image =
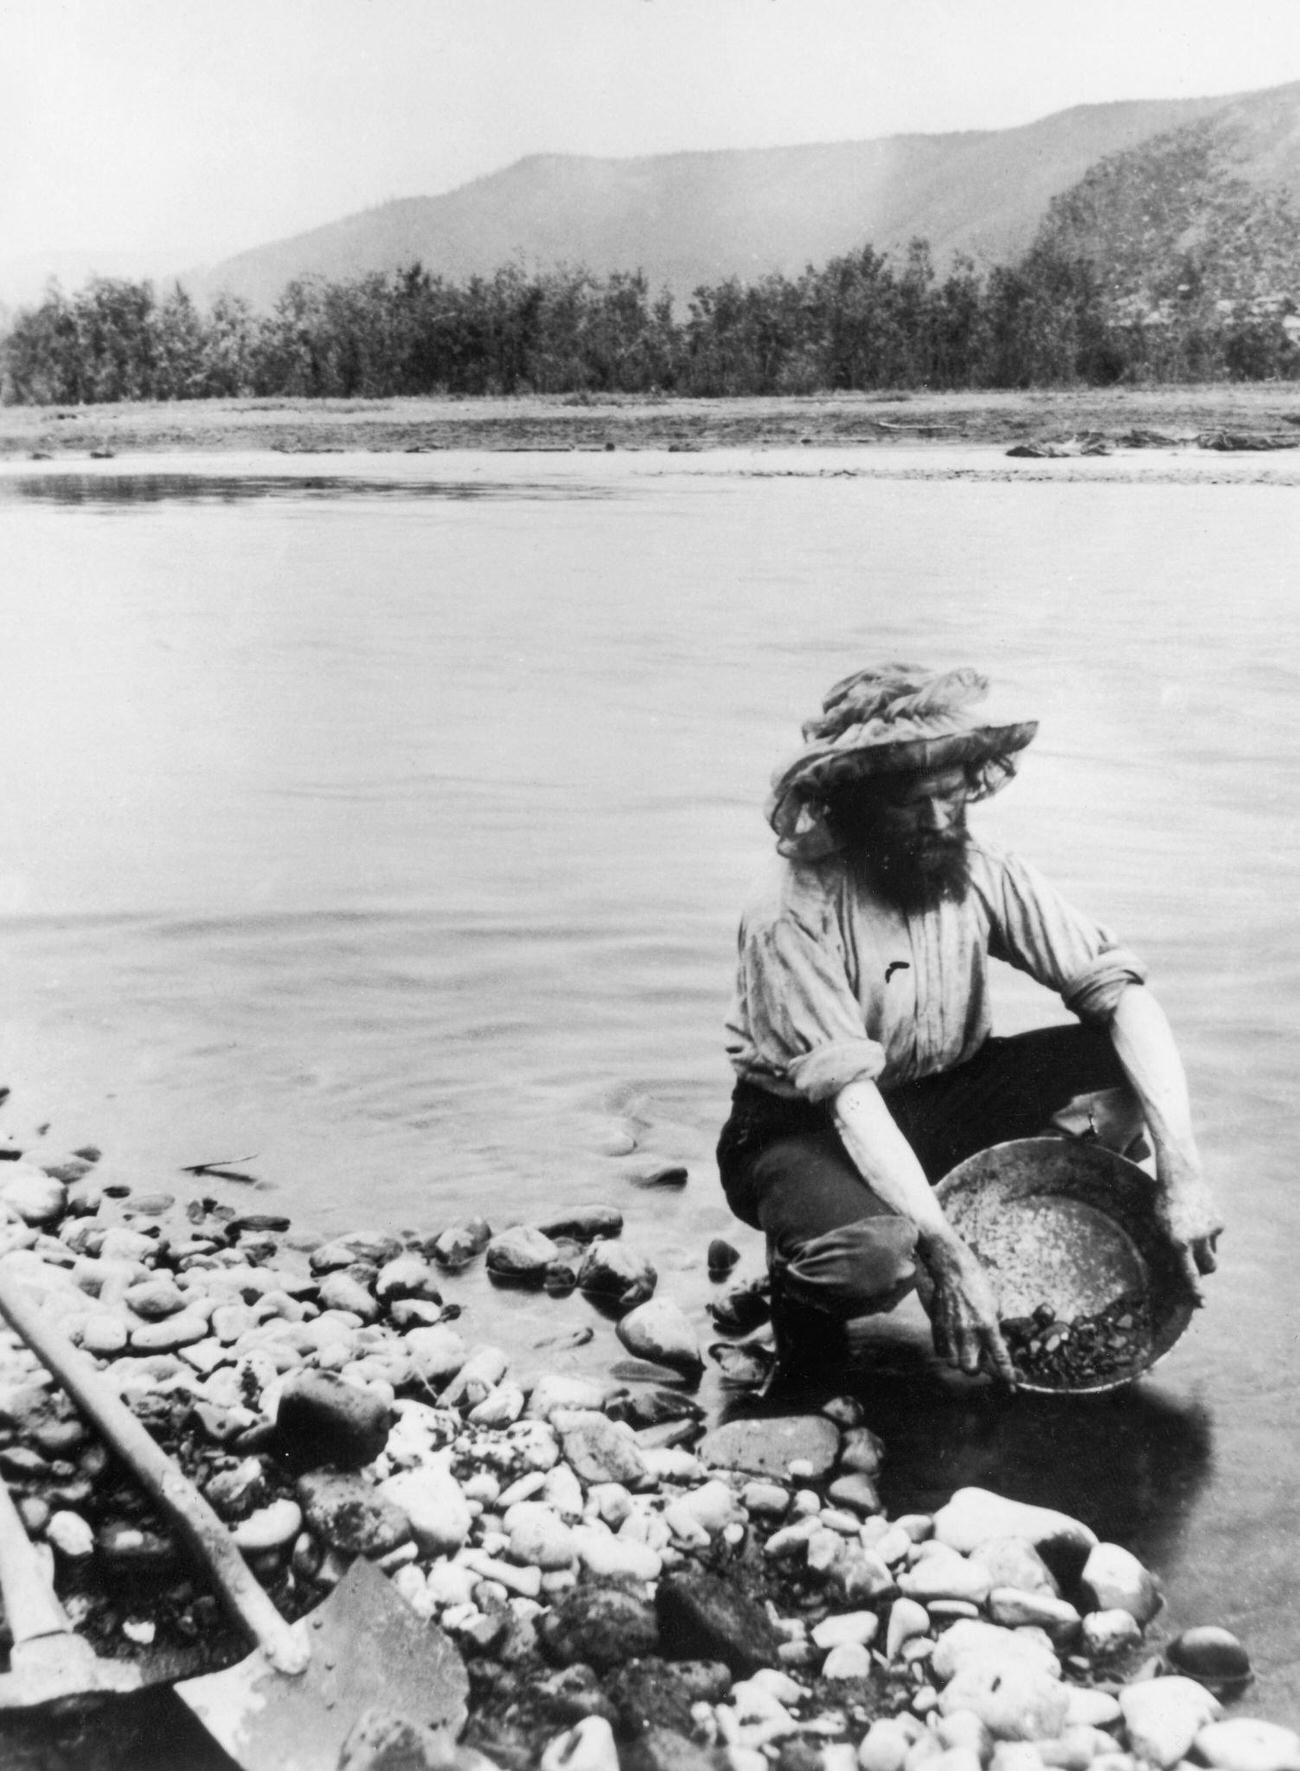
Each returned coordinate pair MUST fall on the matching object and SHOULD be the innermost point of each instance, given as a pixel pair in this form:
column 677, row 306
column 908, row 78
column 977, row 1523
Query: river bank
column 598, row 422
column 611, row 1576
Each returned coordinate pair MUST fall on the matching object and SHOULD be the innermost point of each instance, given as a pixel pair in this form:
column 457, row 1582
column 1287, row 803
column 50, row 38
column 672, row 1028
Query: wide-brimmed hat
column 890, row 719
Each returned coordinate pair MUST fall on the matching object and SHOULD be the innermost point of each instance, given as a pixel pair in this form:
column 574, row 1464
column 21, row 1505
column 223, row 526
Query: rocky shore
column 624, row 1582
column 73, row 434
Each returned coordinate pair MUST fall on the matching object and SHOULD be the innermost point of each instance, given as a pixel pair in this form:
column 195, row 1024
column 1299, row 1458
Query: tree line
column 861, row 322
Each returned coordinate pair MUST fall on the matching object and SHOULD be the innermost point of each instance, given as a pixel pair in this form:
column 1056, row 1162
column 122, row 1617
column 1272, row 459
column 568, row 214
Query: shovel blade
column 368, row 1651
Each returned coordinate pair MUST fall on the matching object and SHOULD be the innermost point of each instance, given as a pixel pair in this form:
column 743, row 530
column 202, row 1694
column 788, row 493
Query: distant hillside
column 692, row 218
column 1209, row 208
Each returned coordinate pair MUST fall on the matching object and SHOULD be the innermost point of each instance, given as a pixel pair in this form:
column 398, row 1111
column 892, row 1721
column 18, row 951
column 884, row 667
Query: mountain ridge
column 695, row 216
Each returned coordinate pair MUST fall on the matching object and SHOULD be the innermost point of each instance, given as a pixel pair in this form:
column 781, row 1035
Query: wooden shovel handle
column 31, row 1606
column 244, row 1598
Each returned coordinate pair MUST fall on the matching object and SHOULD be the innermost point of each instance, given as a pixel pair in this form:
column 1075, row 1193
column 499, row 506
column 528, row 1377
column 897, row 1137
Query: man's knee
column 1111, row 1117
column 859, row 1269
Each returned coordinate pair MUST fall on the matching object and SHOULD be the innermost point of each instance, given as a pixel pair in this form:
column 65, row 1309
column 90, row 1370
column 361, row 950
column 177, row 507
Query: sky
column 174, row 132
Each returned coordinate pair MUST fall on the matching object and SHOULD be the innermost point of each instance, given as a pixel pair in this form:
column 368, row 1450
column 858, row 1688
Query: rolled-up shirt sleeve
column 1039, row 932
column 803, row 1025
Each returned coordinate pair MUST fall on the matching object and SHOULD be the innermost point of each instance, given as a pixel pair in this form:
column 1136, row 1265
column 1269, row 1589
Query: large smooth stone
column 945, row 1575
column 322, row 1419
column 180, row 1330
column 970, row 1641
column 1211, row 1655
column 1014, row 1562
column 372, row 1247
column 974, row 1515
column 610, row 1269
column 1114, row 1580
column 154, row 1299
column 1014, row 1702
column 1012, row 1608
column 351, row 1516
column 1164, row 1716
column 1244, row 1744
column 458, row 1244
column 607, row 1556
column 584, row 1223
column 521, row 1254
column 539, row 1536
column 433, row 1502
column 704, row 1618
column 767, row 1447
column 659, row 1330
column 601, row 1450
column 564, row 1391
column 347, row 1289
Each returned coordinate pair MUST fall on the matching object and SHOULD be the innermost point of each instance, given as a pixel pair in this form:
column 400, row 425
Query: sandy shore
column 575, row 421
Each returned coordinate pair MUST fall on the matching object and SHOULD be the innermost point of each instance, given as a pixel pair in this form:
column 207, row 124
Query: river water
column 383, row 822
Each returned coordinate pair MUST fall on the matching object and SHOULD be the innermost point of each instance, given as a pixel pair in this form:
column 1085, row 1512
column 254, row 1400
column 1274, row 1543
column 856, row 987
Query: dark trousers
column 785, row 1171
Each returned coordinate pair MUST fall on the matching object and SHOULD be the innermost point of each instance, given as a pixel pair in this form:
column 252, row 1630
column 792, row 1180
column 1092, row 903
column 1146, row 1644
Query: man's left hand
column 1187, row 1208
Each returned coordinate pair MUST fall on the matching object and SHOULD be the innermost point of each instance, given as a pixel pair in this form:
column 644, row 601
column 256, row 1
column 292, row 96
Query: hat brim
column 916, row 755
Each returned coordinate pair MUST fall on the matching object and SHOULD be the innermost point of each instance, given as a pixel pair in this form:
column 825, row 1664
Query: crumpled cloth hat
column 884, row 720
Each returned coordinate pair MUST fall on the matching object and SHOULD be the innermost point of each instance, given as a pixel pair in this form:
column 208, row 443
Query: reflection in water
column 108, row 490
column 1129, row 1463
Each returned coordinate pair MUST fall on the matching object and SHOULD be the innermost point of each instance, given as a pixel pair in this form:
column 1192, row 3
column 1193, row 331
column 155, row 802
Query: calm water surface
column 391, row 835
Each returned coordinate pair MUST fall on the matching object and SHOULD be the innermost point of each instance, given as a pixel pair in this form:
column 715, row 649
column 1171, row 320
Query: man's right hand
column 964, row 1309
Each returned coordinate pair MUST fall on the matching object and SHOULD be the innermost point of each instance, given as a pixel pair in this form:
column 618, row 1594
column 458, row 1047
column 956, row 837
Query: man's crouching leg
column 1111, row 1117
column 821, row 1283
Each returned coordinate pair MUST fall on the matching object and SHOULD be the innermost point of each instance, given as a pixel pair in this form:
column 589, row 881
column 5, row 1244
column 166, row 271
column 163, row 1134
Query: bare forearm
column 885, row 1159
column 963, row 1307
column 1144, row 1044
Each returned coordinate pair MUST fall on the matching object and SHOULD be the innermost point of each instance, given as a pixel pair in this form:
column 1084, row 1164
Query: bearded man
column 861, row 1036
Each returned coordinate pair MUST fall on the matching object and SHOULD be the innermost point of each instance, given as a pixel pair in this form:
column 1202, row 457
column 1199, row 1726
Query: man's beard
column 918, row 873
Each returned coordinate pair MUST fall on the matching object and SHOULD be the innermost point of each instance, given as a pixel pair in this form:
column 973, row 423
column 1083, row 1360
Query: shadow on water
column 163, row 488
column 1130, row 1463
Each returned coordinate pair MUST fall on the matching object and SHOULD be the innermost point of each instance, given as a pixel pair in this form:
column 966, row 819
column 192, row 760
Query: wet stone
column 1212, row 1655
column 584, row 1223
column 657, row 1174
column 768, row 1446
column 521, row 1255
column 324, row 1419
column 601, row 1450
column 660, row 1331
column 458, row 1244
column 409, row 1276
column 612, row 1270
column 345, row 1289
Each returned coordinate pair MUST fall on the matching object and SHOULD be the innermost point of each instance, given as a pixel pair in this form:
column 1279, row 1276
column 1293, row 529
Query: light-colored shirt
column 833, row 985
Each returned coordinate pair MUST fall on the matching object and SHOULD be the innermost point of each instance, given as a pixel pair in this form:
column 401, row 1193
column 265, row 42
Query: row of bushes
column 861, row 322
